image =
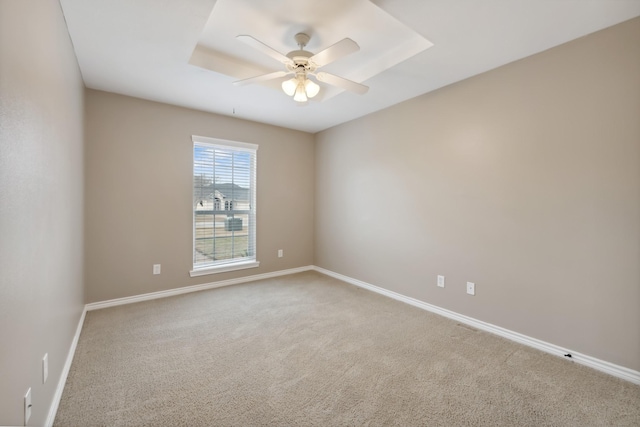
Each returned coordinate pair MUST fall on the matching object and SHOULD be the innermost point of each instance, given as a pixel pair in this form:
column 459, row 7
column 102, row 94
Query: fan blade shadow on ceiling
column 342, row 83
column 334, row 52
column 258, row 45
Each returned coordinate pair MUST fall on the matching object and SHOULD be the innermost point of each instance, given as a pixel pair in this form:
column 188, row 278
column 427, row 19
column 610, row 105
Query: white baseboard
column 583, row 359
column 194, row 288
column 53, row 409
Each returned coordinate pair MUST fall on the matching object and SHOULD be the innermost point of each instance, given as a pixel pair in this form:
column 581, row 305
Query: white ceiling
column 143, row 48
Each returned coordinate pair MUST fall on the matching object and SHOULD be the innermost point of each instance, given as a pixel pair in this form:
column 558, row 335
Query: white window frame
column 244, row 263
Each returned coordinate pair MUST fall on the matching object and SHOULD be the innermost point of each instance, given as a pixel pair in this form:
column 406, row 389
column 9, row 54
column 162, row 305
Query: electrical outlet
column 471, row 288
column 441, row 281
column 27, row 406
column 280, row 253
column 45, row 367
column 156, row 268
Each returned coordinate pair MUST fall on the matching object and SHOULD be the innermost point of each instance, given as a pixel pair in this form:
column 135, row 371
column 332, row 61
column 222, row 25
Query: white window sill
column 224, row 268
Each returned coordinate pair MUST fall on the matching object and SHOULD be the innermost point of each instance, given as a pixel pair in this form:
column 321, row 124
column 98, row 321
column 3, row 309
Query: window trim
column 242, row 263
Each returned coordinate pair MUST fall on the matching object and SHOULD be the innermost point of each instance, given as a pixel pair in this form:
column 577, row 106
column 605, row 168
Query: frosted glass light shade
column 300, row 95
column 289, row 86
column 311, row 88
column 301, row 88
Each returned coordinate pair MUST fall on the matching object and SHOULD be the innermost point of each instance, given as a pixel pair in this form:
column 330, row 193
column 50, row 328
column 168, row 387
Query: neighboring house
column 222, row 197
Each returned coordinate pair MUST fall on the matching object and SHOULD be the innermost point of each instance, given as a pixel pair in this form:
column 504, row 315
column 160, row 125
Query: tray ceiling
column 185, row 52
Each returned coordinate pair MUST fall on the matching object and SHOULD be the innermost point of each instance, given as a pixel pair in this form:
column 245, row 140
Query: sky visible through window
column 222, row 165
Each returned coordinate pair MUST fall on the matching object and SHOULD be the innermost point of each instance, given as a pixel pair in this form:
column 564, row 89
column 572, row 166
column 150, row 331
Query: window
column 224, row 205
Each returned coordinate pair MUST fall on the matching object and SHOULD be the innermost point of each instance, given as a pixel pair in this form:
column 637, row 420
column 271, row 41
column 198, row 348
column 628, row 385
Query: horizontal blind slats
column 224, row 204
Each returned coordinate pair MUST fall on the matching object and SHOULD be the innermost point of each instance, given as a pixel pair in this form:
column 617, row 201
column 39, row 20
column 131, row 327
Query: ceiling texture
column 185, row 52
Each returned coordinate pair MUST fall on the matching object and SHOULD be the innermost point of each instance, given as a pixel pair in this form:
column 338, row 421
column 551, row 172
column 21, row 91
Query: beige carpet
column 308, row 350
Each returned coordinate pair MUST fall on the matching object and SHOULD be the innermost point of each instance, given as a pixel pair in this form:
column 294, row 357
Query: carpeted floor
column 308, row 350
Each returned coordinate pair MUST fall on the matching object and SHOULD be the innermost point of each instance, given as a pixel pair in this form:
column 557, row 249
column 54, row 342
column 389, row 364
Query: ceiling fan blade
column 261, row 78
column 342, row 83
column 257, row 44
column 336, row 51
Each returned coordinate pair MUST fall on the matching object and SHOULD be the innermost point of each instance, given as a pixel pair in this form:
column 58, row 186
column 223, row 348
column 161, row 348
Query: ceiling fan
column 302, row 64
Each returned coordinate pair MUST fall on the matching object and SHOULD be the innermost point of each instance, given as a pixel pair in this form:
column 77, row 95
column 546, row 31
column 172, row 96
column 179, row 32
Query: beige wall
column 139, row 202
column 41, row 199
column 524, row 180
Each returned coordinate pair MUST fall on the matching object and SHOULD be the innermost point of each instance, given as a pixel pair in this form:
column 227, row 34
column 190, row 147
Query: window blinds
column 224, row 202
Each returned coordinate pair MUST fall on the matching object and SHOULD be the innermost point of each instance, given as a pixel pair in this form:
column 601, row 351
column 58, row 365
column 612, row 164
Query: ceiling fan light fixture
column 311, row 88
column 289, row 86
column 301, row 88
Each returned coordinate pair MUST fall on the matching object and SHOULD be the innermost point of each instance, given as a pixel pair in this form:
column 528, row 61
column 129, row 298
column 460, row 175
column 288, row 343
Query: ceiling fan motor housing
column 301, row 61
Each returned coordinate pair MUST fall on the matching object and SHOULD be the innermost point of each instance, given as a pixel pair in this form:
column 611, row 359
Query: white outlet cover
column 441, row 281
column 156, row 268
column 45, row 368
column 471, row 288
column 280, row 253
column 27, row 406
